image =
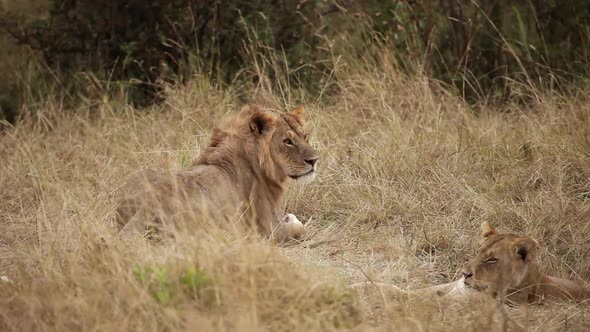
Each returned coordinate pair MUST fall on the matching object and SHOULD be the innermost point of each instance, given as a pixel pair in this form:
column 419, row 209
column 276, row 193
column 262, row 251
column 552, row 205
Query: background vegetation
column 478, row 49
column 430, row 117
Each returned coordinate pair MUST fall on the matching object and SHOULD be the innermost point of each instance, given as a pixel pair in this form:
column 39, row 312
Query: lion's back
column 161, row 195
column 145, row 185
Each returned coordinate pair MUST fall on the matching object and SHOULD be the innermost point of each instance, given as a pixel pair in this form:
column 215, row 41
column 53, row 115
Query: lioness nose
column 312, row 161
column 467, row 275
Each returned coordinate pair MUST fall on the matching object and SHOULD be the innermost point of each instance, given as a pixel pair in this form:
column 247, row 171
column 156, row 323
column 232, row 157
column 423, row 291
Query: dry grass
column 406, row 177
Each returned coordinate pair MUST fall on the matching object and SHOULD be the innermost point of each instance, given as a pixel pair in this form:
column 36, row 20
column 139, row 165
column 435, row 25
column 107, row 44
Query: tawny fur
column 240, row 176
column 454, row 290
column 505, row 266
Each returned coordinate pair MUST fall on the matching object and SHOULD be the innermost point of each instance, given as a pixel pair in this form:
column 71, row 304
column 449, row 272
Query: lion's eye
column 288, row 142
column 491, row 261
column 306, row 136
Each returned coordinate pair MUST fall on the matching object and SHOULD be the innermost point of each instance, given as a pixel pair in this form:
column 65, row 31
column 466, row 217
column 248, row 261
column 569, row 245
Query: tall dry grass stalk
column 407, row 173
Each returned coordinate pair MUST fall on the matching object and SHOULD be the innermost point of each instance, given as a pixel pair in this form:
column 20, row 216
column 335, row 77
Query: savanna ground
column 408, row 172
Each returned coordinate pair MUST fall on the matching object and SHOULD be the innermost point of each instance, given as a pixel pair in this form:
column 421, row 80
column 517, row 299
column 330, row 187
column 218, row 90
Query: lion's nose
column 467, row 275
column 312, row 161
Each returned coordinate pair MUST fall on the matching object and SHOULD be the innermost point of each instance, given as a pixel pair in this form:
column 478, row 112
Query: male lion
column 505, row 266
column 241, row 174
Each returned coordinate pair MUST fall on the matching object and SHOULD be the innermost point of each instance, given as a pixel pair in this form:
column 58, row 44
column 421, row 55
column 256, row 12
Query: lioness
column 241, row 174
column 505, row 266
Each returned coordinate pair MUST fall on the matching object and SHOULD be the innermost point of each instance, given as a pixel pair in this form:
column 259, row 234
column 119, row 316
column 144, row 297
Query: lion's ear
column 526, row 248
column 261, row 123
column 487, row 229
column 297, row 112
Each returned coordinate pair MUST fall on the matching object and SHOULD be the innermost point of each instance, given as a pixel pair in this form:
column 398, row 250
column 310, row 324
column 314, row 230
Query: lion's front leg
column 289, row 227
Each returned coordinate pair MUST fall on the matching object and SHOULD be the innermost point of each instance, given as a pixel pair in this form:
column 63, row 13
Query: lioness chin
column 241, row 175
column 505, row 267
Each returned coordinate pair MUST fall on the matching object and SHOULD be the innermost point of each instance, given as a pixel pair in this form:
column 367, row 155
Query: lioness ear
column 261, row 123
column 487, row 229
column 526, row 249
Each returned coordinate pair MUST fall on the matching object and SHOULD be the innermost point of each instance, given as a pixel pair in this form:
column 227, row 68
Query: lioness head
column 502, row 262
column 278, row 142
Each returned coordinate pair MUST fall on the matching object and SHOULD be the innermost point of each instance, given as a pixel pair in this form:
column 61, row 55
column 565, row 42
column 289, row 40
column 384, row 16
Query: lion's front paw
column 290, row 228
column 291, row 219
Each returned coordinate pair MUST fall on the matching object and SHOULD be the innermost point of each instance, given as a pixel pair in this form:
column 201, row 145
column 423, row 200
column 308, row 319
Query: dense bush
column 478, row 48
column 135, row 39
column 487, row 45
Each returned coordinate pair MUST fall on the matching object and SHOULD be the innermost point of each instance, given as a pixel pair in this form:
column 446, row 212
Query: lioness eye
column 288, row 142
column 491, row 261
column 306, row 136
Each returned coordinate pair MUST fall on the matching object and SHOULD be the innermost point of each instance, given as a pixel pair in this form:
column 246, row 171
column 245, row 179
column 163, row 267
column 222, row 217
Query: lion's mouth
column 305, row 177
column 474, row 286
column 310, row 171
column 295, row 177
